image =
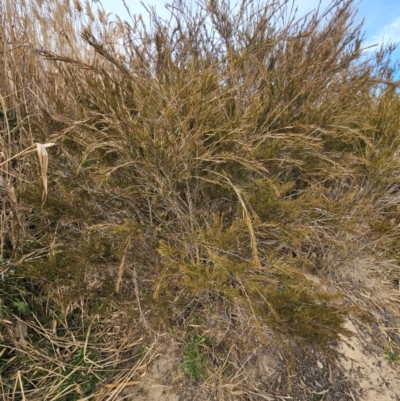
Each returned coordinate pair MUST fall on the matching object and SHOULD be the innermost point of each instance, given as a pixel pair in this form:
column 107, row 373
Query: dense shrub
column 201, row 165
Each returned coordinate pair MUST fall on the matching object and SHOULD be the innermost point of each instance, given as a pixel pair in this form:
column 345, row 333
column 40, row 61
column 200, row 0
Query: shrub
column 204, row 163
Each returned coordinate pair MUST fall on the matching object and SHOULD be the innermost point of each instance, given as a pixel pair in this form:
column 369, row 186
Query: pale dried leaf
column 44, row 162
column 121, row 269
column 21, row 331
column 12, row 194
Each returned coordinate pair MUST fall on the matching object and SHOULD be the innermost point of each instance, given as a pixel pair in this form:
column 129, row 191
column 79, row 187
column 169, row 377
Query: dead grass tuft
column 192, row 175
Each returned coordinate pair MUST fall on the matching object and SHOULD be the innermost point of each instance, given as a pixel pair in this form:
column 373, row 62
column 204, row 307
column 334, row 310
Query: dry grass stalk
column 204, row 167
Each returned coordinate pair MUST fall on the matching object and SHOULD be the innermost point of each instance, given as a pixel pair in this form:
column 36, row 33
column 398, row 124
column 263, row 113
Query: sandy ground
column 364, row 368
column 156, row 382
column 362, row 373
column 373, row 378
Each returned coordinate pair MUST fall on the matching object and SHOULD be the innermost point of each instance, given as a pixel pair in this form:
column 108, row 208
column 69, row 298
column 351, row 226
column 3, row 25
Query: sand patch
column 157, row 382
column 368, row 369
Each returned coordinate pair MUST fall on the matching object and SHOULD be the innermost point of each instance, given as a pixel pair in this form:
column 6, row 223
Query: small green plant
column 392, row 357
column 54, row 355
column 21, row 306
column 195, row 359
column 315, row 397
column 78, row 378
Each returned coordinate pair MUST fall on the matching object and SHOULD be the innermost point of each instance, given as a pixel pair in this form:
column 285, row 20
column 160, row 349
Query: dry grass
column 190, row 175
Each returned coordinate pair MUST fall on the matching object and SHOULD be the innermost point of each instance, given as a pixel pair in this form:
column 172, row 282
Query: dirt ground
column 156, row 381
column 372, row 376
column 363, row 369
column 363, row 373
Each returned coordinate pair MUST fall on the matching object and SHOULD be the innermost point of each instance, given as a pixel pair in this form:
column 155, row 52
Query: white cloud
column 388, row 33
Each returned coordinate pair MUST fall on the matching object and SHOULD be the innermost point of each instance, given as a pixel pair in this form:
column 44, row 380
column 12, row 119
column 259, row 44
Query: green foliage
column 203, row 162
column 21, row 306
column 195, row 359
column 48, row 354
column 77, row 377
column 392, row 357
column 312, row 317
column 315, row 397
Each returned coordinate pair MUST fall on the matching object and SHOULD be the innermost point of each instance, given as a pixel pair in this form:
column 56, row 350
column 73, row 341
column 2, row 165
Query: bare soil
column 360, row 369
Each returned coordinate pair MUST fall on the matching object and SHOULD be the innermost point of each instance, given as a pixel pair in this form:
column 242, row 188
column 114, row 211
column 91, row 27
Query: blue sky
column 382, row 17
